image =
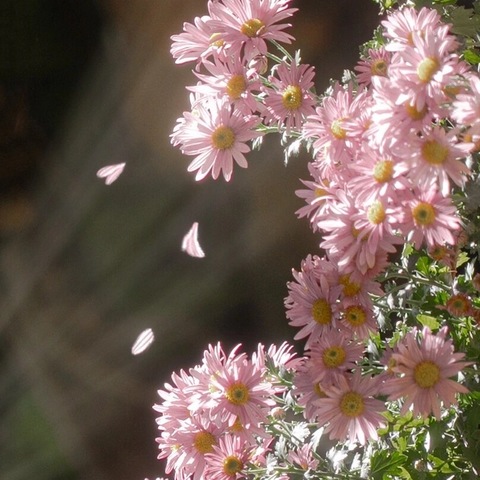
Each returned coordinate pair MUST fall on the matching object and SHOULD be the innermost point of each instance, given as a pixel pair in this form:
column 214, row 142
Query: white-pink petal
column 190, row 244
column 111, row 172
column 143, row 341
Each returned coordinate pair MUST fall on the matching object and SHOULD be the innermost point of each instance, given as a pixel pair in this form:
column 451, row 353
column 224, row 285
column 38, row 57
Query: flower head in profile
column 425, row 364
column 350, row 410
column 216, row 135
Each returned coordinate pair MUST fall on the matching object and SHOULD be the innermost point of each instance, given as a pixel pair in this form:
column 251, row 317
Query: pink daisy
column 196, row 42
column 216, row 135
column 289, row 99
column 357, row 319
column 350, row 409
column 249, row 24
column 376, row 64
column 430, row 217
column 303, row 457
column 311, row 305
column 400, row 25
column 425, row 364
column 228, row 459
column 230, row 78
column 331, row 356
column 435, row 157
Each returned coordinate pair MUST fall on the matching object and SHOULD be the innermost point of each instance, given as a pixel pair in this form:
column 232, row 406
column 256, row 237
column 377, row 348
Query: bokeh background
column 85, row 267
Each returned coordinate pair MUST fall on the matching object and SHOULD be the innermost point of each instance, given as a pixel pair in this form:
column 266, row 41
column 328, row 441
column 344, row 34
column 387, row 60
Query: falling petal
column 143, row 341
column 190, row 243
column 111, row 172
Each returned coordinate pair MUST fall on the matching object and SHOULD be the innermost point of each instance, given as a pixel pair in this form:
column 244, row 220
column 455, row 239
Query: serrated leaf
column 464, row 22
column 472, row 57
column 385, row 462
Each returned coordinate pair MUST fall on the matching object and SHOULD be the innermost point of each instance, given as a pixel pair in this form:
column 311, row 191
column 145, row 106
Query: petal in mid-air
column 111, row 172
column 190, row 243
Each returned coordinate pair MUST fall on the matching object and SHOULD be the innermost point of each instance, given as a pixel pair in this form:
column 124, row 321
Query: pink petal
column 143, row 341
column 190, row 243
column 111, row 172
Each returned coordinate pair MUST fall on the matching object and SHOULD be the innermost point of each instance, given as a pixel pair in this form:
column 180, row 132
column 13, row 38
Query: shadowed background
column 85, row 267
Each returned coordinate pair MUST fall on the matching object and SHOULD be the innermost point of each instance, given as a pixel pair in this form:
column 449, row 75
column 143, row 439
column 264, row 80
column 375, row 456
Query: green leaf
column 464, row 22
column 385, row 462
column 428, row 321
column 472, row 57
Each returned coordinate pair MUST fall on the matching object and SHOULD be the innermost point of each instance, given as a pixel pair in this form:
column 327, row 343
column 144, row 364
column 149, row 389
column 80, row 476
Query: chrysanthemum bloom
column 232, row 79
column 327, row 128
column 318, row 195
column 216, row 135
column 310, row 305
column 246, row 25
column 426, row 69
column 357, row 319
column 435, row 156
column 306, row 391
column 376, row 64
column 238, row 393
column 186, row 447
column 430, row 217
column 331, row 356
column 394, row 115
column 303, row 457
column 400, row 25
column 196, row 43
column 228, row 459
column 289, row 101
column 350, row 410
column 425, row 366
column 459, row 305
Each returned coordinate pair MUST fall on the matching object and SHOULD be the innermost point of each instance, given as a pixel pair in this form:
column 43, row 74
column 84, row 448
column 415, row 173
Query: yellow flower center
column 322, row 312
column 427, row 68
column 426, row 374
column 376, row 213
column 415, row 114
column 355, row 315
column 223, row 138
column 337, row 130
column 379, row 67
column 350, row 289
column 383, row 171
column 318, row 391
column 352, row 404
column 424, row 214
column 434, row 152
column 333, row 357
column 236, row 86
column 237, row 393
column 232, row 465
column 292, row 97
column 216, row 40
column 320, row 192
column 251, row 28
column 203, row 442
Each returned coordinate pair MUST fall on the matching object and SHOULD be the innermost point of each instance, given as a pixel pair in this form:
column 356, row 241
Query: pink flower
column 430, row 217
column 216, row 135
column 303, row 457
column 425, row 364
column 350, row 410
column 435, row 157
column 248, row 24
column 228, row 459
column 196, row 42
column 311, row 305
column 331, row 356
column 190, row 243
column 230, row 78
column 400, row 25
column 357, row 319
column 289, row 101
column 376, row 64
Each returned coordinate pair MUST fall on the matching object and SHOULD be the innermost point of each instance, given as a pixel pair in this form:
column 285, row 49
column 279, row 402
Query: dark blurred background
column 85, row 267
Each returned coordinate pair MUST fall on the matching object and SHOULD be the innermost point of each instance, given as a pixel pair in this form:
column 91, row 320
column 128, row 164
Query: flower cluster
column 390, row 147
